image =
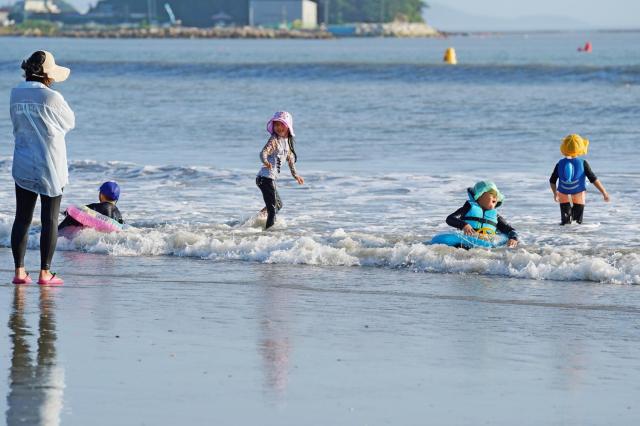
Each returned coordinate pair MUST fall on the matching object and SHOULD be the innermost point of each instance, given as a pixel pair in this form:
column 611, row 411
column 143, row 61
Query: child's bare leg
column 579, row 198
column 565, row 208
column 578, row 201
column 564, row 198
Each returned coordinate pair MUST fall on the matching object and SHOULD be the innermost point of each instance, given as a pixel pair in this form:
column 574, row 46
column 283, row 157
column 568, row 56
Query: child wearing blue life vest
column 479, row 215
column 279, row 148
column 571, row 174
column 109, row 194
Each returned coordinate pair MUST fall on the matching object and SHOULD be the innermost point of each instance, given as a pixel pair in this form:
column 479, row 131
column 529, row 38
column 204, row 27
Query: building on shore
column 273, row 13
column 40, row 7
column 208, row 13
column 192, row 13
column 51, row 10
column 4, row 16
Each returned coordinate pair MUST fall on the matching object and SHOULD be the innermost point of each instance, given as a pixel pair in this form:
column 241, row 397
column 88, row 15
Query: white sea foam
column 341, row 248
column 339, row 220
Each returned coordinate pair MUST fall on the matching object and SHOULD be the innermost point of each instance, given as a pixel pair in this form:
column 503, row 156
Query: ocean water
column 388, row 141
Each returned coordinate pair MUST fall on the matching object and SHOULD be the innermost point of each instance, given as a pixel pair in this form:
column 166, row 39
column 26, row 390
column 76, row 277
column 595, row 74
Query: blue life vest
column 484, row 221
column 571, row 177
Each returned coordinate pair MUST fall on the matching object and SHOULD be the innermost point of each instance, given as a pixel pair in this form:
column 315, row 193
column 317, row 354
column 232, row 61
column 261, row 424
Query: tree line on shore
column 343, row 11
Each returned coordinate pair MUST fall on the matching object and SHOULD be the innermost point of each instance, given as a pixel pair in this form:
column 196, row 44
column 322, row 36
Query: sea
column 389, row 139
column 340, row 314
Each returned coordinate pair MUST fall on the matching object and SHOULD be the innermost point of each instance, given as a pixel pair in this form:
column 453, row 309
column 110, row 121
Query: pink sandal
column 25, row 280
column 51, row 281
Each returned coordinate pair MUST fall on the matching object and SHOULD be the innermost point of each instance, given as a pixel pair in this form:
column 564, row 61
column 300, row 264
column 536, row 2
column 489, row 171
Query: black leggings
column 271, row 198
column 25, row 204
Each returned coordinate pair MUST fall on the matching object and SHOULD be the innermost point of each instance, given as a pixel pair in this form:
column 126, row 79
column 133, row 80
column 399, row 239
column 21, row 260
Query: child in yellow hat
column 571, row 174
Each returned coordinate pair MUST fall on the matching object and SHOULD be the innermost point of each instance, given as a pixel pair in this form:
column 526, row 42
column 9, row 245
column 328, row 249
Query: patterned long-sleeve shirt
column 275, row 152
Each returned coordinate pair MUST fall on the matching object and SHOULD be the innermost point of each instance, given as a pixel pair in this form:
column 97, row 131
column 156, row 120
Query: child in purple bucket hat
column 279, row 148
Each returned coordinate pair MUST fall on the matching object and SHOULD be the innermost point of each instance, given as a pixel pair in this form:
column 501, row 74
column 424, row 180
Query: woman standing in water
column 41, row 118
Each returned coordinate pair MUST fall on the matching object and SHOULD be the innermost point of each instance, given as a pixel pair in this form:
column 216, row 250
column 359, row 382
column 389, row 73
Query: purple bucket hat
column 285, row 118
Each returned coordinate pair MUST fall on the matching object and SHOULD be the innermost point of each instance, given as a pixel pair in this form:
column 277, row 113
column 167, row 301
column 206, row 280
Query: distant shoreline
column 363, row 31
column 522, row 32
column 393, row 30
column 168, row 33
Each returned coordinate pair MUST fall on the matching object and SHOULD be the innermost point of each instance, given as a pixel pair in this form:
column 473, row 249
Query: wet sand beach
column 139, row 340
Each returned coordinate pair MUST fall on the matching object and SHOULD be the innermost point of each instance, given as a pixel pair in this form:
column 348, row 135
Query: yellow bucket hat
column 574, row 146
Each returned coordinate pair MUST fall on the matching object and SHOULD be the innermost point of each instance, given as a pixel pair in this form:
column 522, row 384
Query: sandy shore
column 168, row 341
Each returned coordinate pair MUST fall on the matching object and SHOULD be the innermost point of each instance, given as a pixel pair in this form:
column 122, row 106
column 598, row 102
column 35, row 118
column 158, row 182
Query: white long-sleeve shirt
column 41, row 118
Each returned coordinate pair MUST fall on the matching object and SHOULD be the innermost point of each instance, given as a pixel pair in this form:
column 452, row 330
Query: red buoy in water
column 587, row 48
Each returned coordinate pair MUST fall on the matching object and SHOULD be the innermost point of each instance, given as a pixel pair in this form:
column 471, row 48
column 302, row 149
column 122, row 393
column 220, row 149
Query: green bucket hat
column 485, row 186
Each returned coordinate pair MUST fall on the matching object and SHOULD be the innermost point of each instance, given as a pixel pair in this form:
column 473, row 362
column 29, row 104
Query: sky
column 599, row 13
column 608, row 13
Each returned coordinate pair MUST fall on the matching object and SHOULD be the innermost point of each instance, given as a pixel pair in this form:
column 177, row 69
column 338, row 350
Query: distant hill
column 446, row 18
column 65, row 7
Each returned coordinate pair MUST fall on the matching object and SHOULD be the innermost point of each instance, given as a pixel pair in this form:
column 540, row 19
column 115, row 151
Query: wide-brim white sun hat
column 55, row 72
column 285, row 118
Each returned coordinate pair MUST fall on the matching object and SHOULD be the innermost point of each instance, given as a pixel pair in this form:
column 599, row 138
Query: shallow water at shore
column 342, row 220
column 242, row 343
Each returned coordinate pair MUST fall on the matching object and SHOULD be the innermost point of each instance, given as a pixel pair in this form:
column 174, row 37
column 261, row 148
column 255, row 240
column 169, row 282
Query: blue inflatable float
column 458, row 239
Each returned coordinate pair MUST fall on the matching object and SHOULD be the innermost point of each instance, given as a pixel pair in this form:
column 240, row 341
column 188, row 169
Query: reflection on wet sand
column 35, row 391
column 275, row 343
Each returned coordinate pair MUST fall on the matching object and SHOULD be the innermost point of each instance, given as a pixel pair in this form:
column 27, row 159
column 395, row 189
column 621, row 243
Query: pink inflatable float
column 93, row 219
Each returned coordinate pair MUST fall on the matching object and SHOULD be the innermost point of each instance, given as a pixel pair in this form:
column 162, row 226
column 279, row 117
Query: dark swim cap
column 110, row 190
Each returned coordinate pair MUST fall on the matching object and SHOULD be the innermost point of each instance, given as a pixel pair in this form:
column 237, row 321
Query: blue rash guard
column 572, row 174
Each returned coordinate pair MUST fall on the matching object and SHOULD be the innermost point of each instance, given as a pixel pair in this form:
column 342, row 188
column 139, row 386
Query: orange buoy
column 450, row 56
